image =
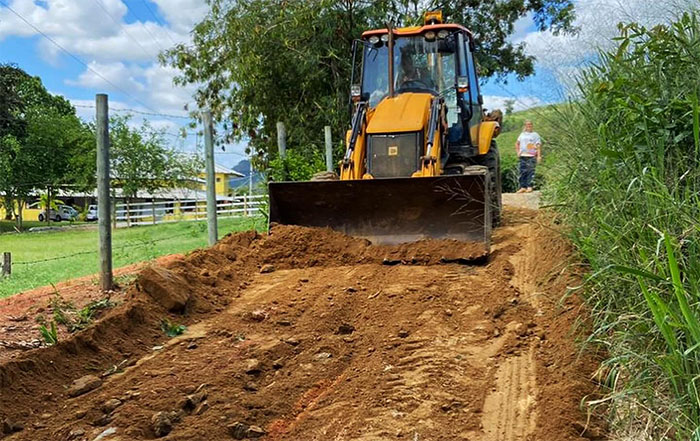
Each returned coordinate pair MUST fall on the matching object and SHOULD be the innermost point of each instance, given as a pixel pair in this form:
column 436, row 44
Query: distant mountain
column 243, row 167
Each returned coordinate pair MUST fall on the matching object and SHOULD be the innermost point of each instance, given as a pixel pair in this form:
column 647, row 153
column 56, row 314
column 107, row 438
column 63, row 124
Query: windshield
column 419, row 66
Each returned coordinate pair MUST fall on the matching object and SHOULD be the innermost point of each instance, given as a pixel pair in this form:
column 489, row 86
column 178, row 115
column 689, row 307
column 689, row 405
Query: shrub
column 626, row 177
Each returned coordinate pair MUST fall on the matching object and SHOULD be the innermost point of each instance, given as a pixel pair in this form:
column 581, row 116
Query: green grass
column 130, row 245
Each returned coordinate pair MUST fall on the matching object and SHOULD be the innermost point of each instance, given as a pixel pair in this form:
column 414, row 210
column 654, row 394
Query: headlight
column 443, row 33
column 430, row 35
column 374, row 39
column 385, row 37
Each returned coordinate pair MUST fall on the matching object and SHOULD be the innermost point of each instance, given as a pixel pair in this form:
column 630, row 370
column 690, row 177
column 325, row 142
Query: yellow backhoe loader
column 421, row 161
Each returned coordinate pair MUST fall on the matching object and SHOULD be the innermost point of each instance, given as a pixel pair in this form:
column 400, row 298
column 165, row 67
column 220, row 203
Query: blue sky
column 114, row 44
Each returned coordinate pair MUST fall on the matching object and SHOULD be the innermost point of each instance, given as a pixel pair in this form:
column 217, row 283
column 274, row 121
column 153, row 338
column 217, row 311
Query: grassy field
column 39, row 259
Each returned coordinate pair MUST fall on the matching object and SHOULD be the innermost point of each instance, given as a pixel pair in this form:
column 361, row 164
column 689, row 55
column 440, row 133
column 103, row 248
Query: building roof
column 218, row 168
column 182, row 193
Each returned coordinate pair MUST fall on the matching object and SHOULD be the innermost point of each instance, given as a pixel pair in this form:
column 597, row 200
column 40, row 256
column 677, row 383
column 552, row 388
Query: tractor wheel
column 492, row 160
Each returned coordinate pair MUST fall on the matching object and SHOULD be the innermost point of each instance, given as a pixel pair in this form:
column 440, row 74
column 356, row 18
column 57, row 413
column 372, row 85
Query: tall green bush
column 625, row 173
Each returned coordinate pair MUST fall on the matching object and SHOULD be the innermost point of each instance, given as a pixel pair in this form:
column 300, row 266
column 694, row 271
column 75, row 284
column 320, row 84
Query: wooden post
column 282, row 146
column 329, row 149
column 48, row 205
column 114, row 209
column 153, row 209
column 6, row 264
column 211, row 181
column 103, row 197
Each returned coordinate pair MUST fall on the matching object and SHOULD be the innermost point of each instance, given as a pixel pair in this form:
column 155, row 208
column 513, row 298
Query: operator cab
column 435, row 59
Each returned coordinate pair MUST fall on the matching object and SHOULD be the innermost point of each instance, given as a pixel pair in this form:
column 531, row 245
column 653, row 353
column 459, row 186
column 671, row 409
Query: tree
column 509, row 104
column 140, row 159
column 39, row 134
column 257, row 62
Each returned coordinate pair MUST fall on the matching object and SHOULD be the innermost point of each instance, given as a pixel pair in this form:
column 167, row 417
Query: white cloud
column 97, row 29
column 492, row 102
column 564, row 55
column 182, row 14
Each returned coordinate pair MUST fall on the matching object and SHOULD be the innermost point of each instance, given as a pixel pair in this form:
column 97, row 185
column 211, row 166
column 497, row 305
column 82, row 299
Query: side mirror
column 356, row 92
column 462, row 84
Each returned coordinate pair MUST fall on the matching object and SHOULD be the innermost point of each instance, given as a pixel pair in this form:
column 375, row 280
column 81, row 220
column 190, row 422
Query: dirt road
column 310, row 335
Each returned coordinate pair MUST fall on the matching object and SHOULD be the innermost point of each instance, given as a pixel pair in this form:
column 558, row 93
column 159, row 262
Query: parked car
column 64, row 212
column 91, row 213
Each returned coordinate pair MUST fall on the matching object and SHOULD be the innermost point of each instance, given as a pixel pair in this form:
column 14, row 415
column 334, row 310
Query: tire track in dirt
column 344, row 349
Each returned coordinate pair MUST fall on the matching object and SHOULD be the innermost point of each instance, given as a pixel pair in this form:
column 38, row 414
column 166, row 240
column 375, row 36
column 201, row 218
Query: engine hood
column 406, row 112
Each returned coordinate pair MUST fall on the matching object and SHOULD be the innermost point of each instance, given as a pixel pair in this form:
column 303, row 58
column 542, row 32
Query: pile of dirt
column 310, row 334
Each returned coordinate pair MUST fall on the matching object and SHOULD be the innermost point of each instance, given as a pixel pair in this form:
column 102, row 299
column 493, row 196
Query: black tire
column 58, row 218
column 41, row 217
column 492, row 160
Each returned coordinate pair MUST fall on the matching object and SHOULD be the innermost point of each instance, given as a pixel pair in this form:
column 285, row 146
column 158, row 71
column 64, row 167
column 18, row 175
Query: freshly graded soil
column 307, row 334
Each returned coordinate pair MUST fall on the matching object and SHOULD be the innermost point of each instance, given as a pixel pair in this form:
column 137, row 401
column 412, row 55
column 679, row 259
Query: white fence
column 158, row 212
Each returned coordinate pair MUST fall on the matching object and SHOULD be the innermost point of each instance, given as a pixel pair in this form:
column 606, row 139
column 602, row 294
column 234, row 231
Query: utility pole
column 211, row 179
column 329, row 149
column 103, row 197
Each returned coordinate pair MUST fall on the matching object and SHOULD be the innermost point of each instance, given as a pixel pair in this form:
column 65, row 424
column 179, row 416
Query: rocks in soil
column 256, row 316
column 267, row 268
column 255, row 432
column 167, row 288
column 253, row 366
column 9, row 426
column 345, row 329
column 193, row 400
column 84, row 385
column 75, row 434
column 203, row 407
column 162, row 423
column 110, row 405
column 292, row 341
column 108, row 432
column 403, row 333
column 323, row 355
column 240, row 430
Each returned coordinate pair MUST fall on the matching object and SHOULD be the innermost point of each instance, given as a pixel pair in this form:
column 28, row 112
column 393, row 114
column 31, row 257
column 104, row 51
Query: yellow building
column 223, row 176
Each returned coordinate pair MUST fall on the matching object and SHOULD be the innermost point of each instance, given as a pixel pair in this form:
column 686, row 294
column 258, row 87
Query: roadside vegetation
column 40, row 259
column 625, row 176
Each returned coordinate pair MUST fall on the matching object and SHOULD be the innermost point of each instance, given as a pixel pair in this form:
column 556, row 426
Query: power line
column 118, row 23
column 140, row 112
column 153, row 14
column 143, row 25
column 75, row 57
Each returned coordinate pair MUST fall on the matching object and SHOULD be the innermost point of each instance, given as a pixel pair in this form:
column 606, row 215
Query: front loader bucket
column 391, row 210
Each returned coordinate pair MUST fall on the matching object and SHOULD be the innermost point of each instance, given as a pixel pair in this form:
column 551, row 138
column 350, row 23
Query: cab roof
column 417, row 30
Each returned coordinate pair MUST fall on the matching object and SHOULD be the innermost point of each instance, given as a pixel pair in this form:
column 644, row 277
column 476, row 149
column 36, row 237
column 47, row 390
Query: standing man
column 529, row 149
